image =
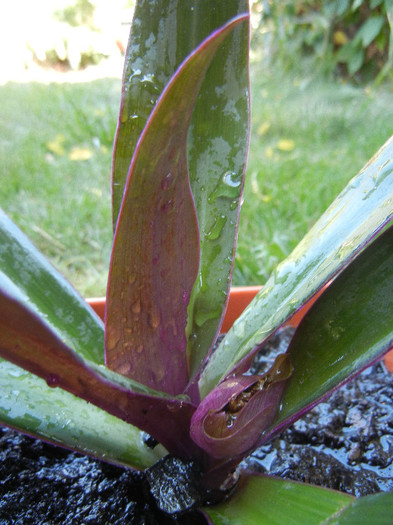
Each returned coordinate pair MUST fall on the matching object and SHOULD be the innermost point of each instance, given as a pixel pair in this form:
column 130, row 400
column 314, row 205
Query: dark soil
column 345, row 443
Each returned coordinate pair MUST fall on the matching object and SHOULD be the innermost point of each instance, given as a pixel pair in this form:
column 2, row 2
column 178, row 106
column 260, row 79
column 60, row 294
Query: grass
column 308, row 140
column 55, row 155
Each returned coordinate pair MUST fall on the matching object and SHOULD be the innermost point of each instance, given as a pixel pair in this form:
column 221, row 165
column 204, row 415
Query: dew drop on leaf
column 167, row 181
column 136, row 307
column 52, row 380
column 228, row 187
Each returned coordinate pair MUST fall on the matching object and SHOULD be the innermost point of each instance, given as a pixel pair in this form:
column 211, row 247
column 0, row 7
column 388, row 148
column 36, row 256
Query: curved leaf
column 376, row 508
column 163, row 33
column 27, row 341
column 230, row 420
column 29, row 405
column 27, row 275
column 349, row 327
column 349, row 224
column 155, row 254
column 272, row 501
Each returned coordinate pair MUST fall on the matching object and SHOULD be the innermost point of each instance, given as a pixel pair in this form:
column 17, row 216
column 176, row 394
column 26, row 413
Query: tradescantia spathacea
column 177, row 181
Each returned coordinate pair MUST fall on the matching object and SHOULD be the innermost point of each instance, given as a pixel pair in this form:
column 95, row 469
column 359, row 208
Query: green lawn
column 308, row 140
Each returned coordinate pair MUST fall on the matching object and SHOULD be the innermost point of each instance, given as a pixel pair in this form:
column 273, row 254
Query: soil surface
column 345, row 443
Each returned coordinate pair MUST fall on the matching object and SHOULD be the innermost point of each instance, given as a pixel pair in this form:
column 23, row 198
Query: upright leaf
column 155, row 254
column 350, row 223
column 164, row 32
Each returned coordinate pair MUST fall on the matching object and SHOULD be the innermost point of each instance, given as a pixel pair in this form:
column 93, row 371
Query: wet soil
column 345, row 443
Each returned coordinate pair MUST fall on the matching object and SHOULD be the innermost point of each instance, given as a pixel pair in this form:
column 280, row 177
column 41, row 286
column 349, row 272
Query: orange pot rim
column 239, row 299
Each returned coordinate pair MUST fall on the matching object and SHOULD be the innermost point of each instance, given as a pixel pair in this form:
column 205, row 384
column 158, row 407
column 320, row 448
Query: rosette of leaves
column 177, row 182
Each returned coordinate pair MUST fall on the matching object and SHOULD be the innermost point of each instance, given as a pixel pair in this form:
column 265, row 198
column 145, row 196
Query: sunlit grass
column 308, row 140
column 55, row 154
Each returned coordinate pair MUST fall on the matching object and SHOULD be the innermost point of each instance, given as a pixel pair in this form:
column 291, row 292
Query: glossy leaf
column 349, row 327
column 218, row 145
column 29, row 405
column 376, row 508
column 155, row 254
column 350, row 223
column 264, row 500
column 164, row 32
column 231, row 419
column 26, row 275
column 27, row 341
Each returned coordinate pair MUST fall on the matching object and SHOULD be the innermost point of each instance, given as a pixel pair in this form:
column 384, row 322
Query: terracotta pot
column 239, row 298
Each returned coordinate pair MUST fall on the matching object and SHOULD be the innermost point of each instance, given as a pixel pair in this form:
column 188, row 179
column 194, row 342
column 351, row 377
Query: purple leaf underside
column 26, row 341
column 155, row 256
column 231, row 419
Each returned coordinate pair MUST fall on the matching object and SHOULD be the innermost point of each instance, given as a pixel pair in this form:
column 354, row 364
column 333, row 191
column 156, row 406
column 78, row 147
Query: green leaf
column 348, row 327
column 359, row 212
column 155, row 255
column 27, row 341
column 27, row 276
column 271, row 501
column 355, row 62
column 29, row 405
column 370, row 29
column 217, row 146
column 217, row 141
column 376, row 508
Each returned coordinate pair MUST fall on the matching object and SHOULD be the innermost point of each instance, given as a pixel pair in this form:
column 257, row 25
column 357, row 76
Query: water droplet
column 202, row 315
column 154, row 319
column 124, row 115
column 111, row 340
column 234, row 204
column 52, row 380
column 148, row 77
column 228, row 187
column 166, row 206
column 172, row 407
column 166, row 182
column 135, row 73
column 217, row 228
column 136, row 307
column 185, row 297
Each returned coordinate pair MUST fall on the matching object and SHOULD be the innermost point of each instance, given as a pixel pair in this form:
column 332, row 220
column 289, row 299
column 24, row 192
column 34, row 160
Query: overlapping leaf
column 230, row 420
column 27, row 341
column 155, row 256
column 349, row 327
column 164, row 32
column 350, row 223
column 26, row 275
column 29, row 405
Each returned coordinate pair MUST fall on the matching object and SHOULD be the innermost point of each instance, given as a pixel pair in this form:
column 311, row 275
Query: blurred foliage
column 350, row 38
column 80, row 12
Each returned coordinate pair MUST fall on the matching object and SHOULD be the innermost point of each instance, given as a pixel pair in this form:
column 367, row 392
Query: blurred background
column 321, row 82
